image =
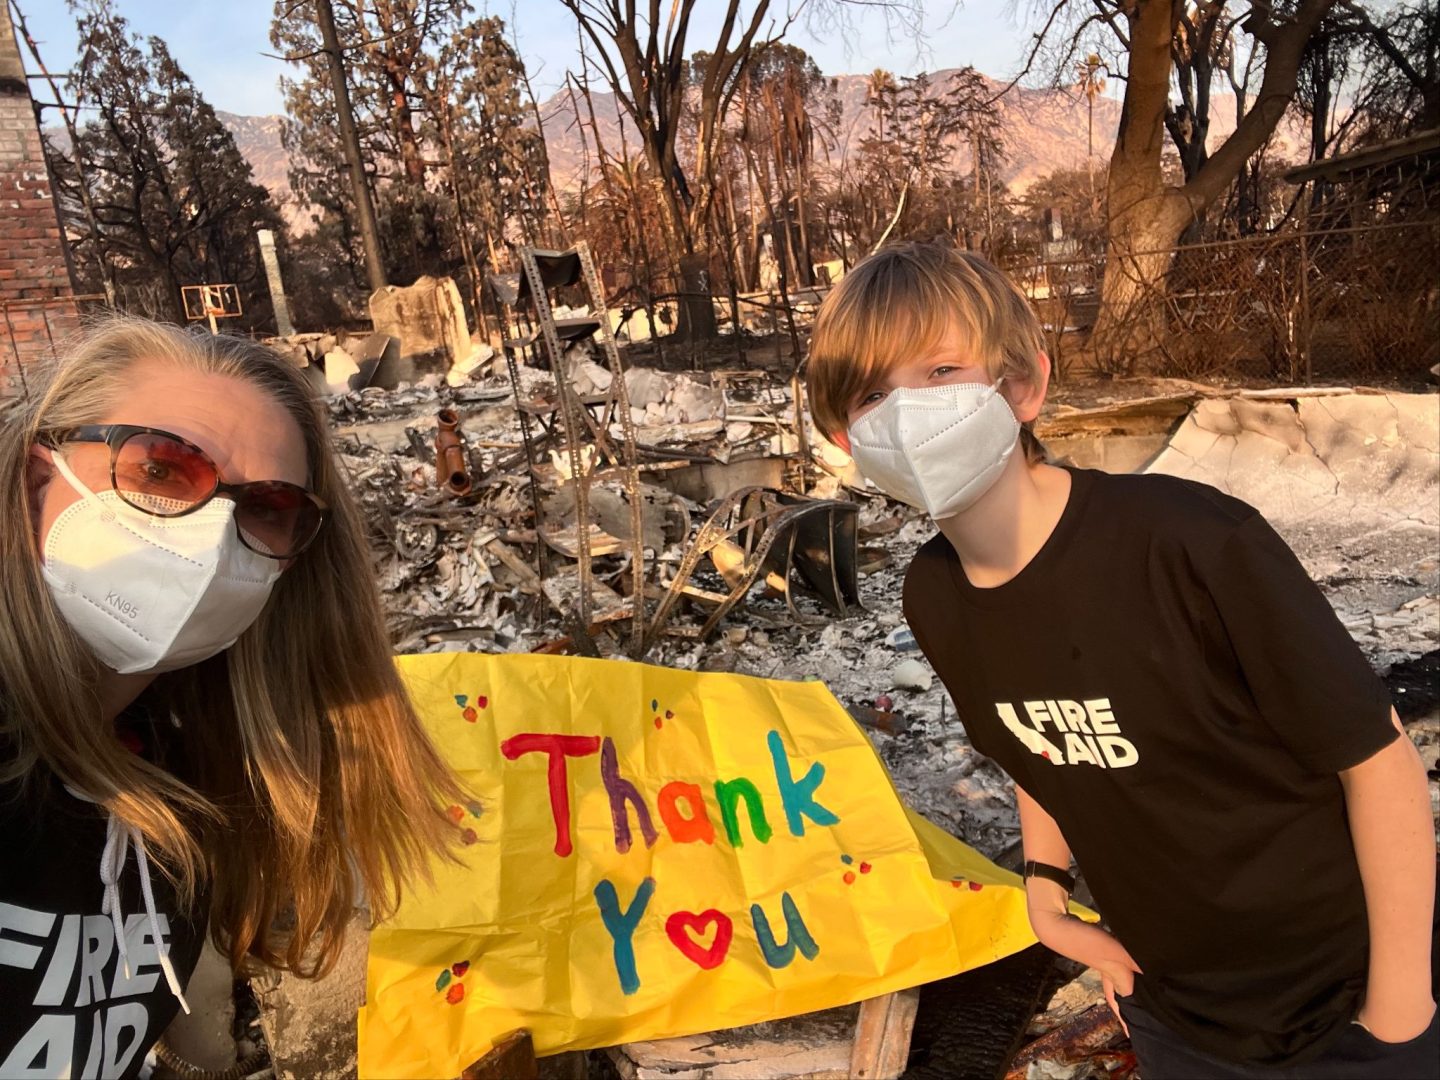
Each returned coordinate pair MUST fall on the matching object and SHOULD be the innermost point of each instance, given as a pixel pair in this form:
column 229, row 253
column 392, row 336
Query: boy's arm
column 1048, row 907
column 1388, row 802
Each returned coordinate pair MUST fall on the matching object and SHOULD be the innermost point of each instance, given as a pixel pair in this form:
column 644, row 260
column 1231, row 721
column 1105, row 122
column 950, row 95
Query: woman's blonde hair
column 899, row 304
column 308, row 775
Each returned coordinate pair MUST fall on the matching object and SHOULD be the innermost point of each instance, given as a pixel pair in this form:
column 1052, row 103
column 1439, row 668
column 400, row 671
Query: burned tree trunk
column 1147, row 216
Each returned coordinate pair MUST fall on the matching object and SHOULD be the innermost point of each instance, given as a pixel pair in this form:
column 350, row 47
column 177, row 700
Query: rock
column 912, row 675
column 310, row 1024
column 341, row 371
column 645, row 387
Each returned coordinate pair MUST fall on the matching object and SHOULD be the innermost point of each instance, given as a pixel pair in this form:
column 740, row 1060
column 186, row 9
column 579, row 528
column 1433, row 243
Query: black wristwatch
column 1049, row 873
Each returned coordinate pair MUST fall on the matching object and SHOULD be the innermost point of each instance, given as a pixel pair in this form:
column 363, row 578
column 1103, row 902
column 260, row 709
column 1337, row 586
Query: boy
column 1174, row 698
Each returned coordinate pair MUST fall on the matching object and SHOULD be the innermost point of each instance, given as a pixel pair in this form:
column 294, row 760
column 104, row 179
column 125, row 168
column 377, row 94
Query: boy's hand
column 1116, row 978
column 1397, row 1024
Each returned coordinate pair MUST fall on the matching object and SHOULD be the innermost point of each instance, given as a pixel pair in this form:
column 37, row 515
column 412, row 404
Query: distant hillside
column 258, row 139
column 1043, row 129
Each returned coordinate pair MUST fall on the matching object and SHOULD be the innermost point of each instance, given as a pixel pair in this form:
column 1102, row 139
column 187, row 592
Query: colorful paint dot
column 659, row 723
column 455, row 813
column 462, row 700
column 654, row 704
column 471, row 715
column 849, row 877
column 468, row 837
column 1045, row 754
column 955, row 883
column 846, row 859
column 864, row 868
column 975, row 886
column 444, row 980
column 455, row 994
column 482, row 702
column 669, row 715
column 459, row 968
column 475, row 809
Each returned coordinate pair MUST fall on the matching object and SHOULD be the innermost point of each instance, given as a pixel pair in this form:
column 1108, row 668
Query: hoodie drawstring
column 119, row 838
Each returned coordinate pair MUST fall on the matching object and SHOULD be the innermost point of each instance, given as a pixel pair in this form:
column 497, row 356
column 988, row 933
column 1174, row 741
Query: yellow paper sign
column 652, row 853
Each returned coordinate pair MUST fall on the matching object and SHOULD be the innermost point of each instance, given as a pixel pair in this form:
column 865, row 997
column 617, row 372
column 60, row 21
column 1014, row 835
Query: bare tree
column 643, row 57
column 1148, row 215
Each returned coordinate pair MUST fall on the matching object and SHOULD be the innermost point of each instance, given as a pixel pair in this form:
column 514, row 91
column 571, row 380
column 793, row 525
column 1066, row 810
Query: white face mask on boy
column 938, row 448
column 151, row 593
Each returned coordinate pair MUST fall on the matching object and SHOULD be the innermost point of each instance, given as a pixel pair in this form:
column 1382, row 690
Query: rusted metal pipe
column 452, row 469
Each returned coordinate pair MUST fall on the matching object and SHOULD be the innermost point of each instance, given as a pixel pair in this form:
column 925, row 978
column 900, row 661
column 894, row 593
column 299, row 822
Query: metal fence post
column 1305, row 308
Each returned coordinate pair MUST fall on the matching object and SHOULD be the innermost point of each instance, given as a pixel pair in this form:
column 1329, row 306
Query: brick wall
column 36, row 305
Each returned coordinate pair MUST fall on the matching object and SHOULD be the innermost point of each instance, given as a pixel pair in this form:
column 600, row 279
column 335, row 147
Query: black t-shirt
column 1167, row 682
column 66, row 1005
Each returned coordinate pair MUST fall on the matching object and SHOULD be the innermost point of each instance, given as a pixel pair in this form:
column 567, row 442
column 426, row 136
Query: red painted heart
column 684, row 923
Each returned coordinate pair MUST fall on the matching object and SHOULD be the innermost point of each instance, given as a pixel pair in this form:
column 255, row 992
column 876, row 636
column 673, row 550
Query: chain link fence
column 1335, row 305
column 1339, row 305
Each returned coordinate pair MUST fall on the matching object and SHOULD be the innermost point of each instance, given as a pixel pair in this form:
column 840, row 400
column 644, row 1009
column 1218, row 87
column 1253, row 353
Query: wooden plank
column 882, row 1035
column 870, row 1041
column 512, row 1058
column 815, row 1046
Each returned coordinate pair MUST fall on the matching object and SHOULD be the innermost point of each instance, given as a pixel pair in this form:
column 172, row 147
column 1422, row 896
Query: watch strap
column 1050, row 873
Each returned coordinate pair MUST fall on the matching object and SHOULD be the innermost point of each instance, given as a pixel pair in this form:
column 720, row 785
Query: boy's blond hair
column 900, row 303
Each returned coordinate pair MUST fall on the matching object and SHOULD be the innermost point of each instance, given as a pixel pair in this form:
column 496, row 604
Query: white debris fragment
column 912, row 675
column 465, row 367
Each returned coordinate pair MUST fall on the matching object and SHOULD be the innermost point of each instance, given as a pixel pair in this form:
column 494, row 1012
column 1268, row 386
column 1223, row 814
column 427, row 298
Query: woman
column 200, row 721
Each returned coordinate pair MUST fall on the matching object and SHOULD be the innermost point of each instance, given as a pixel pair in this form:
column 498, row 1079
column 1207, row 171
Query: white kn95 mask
column 151, row 593
column 938, row 448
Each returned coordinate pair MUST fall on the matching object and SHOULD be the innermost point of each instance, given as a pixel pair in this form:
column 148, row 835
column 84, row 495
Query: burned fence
column 1338, row 305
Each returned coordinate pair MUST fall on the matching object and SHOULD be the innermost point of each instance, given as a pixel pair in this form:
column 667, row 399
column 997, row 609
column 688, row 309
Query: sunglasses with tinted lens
column 162, row 474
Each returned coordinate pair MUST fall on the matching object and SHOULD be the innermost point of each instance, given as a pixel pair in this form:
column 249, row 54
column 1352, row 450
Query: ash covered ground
column 453, row 572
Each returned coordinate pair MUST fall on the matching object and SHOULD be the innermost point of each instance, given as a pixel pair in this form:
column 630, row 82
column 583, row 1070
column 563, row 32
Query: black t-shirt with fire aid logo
column 1168, row 683
column 67, row 1007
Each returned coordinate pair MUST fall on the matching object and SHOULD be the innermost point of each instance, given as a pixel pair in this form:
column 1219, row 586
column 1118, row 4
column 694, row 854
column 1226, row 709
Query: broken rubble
column 427, row 318
column 912, row 675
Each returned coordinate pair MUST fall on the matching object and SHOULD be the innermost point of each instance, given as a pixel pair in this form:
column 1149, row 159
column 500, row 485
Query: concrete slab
column 1364, row 457
column 1352, row 482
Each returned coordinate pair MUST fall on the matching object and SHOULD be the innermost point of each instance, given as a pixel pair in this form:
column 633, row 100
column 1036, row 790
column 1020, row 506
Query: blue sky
column 221, row 43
